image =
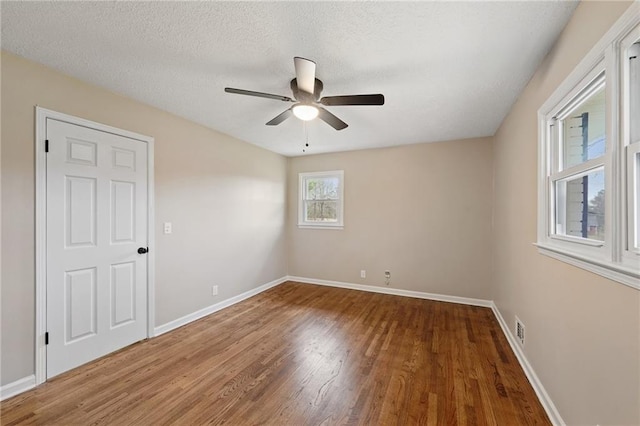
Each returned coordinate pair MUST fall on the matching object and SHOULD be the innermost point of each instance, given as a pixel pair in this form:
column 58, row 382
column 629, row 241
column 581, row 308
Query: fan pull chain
column 306, row 136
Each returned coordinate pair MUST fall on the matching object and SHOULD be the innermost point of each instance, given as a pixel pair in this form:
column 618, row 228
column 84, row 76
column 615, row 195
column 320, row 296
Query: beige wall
column 421, row 211
column 583, row 331
column 225, row 198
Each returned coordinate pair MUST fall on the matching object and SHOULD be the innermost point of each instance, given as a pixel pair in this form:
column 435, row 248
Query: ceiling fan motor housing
column 304, row 97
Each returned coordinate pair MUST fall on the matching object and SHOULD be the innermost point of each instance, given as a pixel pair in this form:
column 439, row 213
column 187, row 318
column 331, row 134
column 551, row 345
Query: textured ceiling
column 448, row 70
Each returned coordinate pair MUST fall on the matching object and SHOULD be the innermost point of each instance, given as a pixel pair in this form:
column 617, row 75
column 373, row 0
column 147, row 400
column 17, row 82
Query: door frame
column 42, row 114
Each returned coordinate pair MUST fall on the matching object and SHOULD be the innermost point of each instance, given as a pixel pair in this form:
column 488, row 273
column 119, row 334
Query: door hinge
column 46, row 145
column 46, row 338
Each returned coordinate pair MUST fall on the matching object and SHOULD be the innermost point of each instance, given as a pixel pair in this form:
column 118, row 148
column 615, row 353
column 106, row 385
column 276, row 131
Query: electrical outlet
column 363, row 274
column 520, row 331
column 167, row 227
column 387, row 277
column 214, row 290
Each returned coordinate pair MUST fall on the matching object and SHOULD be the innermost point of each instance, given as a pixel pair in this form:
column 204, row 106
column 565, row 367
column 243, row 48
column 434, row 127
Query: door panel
column 80, row 211
column 80, row 295
column 123, row 195
column 123, row 296
column 124, row 159
column 81, row 152
column 96, row 221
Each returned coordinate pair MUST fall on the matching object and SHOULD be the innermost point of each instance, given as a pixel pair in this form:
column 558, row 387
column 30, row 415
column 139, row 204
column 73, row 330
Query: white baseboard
column 542, row 394
column 172, row 325
column 396, row 292
column 19, row 386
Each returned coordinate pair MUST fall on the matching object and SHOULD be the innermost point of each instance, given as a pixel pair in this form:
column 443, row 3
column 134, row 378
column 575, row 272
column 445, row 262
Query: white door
column 96, row 223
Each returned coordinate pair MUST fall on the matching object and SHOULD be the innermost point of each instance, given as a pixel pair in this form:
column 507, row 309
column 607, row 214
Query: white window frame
column 633, row 208
column 632, row 147
column 302, row 178
column 614, row 258
column 582, row 91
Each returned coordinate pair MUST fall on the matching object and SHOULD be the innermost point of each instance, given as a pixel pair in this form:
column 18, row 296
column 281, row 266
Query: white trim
column 614, row 272
column 172, row 325
column 631, row 241
column 41, row 247
column 579, row 170
column 574, row 100
column 395, row 292
column 91, row 124
column 543, row 396
column 337, row 228
column 544, row 170
column 633, row 215
column 19, row 386
column 577, row 240
column 151, row 240
column 42, row 114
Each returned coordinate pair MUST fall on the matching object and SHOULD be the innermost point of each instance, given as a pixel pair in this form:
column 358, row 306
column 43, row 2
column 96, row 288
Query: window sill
column 613, row 271
column 583, row 241
column 335, row 227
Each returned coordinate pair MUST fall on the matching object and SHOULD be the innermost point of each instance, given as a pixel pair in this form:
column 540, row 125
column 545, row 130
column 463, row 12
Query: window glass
column 580, row 202
column 322, row 188
column 321, row 211
column 583, row 135
column 321, row 195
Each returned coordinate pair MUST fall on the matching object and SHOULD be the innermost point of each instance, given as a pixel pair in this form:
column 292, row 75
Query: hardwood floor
column 301, row 354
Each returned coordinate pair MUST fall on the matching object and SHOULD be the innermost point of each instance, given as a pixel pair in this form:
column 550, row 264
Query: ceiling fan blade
column 280, row 118
column 331, row 119
column 258, row 94
column 305, row 74
column 377, row 99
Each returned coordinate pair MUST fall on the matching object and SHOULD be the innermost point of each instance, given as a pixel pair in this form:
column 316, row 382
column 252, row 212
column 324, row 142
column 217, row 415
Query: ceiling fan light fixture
column 305, row 112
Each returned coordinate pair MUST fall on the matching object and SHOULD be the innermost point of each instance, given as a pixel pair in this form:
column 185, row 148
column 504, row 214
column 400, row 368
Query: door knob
column 143, row 250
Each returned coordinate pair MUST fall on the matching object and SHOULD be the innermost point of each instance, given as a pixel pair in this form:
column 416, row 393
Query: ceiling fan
column 306, row 99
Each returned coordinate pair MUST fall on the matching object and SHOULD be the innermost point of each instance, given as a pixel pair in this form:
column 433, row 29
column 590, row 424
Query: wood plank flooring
column 300, row 354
